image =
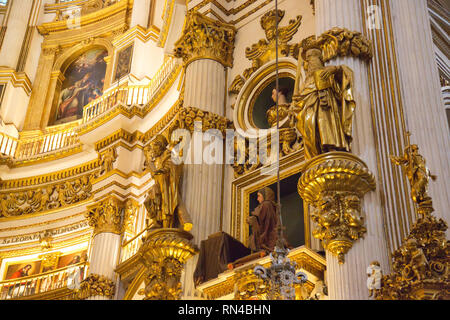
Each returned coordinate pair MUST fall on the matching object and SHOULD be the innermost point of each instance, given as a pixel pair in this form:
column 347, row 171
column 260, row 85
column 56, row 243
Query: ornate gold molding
column 206, row 38
column 421, row 266
column 96, row 285
column 53, row 196
column 163, row 253
column 187, row 117
column 340, row 42
column 243, row 284
column 106, row 216
column 334, row 184
column 265, row 49
column 17, row 79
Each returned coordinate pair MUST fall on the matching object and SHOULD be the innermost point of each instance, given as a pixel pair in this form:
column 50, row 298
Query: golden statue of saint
column 164, row 204
column 417, row 173
column 324, row 104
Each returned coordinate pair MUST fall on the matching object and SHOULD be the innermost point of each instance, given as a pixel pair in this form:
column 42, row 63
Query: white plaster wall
column 147, row 59
column 17, row 24
column 141, row 10
column 14, row 106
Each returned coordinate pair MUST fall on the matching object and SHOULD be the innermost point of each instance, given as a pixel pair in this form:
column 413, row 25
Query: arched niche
column 80, row 74
column 254, row 99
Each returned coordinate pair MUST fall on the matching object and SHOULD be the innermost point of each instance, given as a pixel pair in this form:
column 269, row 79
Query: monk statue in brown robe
column 264, row 221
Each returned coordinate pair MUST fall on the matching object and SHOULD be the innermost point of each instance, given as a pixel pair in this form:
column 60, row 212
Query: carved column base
column 164, row 253
column 334, row 184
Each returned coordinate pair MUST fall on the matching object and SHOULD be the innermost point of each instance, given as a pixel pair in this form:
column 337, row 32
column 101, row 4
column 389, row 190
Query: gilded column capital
column 206, row 38
column 334, row 184
column 164, row 253
column 187, row 116
column 106, row 216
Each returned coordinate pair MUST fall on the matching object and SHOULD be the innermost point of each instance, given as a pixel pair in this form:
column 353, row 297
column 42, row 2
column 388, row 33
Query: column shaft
column 348, row 281
column 421, row 94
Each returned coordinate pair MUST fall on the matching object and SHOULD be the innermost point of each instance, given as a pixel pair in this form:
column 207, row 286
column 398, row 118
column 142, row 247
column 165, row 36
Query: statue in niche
column 324, row 104
column 283, row 106
column 164, row 203
column 107, row 160
column 417, row 172
column 264, row 222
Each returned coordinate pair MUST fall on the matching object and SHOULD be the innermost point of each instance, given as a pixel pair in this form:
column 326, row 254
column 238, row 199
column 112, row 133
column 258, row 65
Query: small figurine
column 374, row 274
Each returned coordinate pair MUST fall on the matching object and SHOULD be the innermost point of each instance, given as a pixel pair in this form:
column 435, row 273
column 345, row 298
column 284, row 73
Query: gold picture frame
column 124, row 58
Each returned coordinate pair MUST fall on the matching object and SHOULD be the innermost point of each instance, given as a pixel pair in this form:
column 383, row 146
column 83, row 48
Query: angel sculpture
column 264, row 50
column 417, row 172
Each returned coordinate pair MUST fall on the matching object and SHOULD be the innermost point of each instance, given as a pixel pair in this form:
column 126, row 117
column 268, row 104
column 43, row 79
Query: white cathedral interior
column 224, row 150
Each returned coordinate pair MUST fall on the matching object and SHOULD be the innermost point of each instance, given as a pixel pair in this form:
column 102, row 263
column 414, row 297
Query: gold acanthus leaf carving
column 334, row 184
column 187, row 117
column 45, row 198
column 96, row 285
column 206, row 38
column 420, row 265
column 341, row 42
column 106, row 216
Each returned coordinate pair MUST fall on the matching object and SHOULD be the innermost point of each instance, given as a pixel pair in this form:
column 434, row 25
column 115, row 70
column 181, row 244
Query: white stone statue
column 374, row 274
column 319, row 292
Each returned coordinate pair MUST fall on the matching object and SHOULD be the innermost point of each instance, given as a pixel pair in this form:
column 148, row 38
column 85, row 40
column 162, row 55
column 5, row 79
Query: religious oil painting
column 84, row 81
column 123, row 63
column 72, row 258
column 22, row 269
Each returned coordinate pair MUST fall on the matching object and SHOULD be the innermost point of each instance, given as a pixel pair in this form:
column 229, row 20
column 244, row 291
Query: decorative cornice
column 85, row 19
column 206, row 38
column 17, row 79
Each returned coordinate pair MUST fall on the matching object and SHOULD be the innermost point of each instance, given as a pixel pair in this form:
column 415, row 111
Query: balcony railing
column 130, row 95
column 45, row 282
column 131, row 246
column 8, row 145
column 50, row 142
column 64, row 138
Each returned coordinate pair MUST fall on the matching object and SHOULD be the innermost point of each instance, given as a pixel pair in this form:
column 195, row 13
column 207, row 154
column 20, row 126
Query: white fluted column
column 202, row 183
column 421, row 94
column 104, row 257
column 348, row 281
column 205, row 86
column 106, row 218
column 204, row 89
